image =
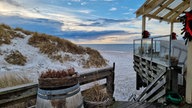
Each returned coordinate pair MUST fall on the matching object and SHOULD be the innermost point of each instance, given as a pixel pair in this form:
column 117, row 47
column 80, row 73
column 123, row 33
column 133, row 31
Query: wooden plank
column 175, row 9
column 135, row 105
column 26, row 92
column 95, row 75
column 122, row 104
column 157, row 87
column 159, row 95
column 141, row 9
column 162, row 7
column 136, row 64
column 158, row 18
column 188, row 96
column 149, row 7
column 151, row 85
column 140, row 73
column 143, row 23
column 17, row 88
column 110, row 82
column 18, row 98
column 181, row 10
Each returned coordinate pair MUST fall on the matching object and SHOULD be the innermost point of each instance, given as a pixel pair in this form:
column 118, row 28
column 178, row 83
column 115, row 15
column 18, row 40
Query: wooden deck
column 126, row 104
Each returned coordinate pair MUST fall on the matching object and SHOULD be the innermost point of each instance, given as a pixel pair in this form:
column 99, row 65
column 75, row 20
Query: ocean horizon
column 111, row 47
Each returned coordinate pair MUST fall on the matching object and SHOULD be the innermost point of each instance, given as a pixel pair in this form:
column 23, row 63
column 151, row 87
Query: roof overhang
column 163, row 10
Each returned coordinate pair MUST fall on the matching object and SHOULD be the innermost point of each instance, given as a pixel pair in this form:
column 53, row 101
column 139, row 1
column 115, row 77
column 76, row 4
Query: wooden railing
column 27, row 92
column 154, row 90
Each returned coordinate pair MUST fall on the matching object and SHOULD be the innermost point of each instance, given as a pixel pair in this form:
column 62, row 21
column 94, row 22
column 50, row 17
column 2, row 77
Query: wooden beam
column 141, row 9
column 188, row 96
column 162, row 7
column 143, row 23
column 159, row 18
column 174, row 10
column 149, row 7
column 171, row 27
column 182, row 9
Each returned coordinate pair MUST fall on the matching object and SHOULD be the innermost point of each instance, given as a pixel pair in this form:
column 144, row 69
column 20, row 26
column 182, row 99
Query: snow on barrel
column 59, row 89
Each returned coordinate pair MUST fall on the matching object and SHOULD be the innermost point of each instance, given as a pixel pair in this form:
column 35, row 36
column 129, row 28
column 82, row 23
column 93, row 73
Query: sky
column 81, row 21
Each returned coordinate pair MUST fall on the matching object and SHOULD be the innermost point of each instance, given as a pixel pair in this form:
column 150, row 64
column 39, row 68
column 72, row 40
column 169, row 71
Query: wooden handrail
column 26, row 92
column 149, row 87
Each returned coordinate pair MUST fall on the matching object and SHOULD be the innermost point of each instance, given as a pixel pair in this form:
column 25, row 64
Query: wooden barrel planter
column 96, row 97
column 59, row 93
column 94, row 104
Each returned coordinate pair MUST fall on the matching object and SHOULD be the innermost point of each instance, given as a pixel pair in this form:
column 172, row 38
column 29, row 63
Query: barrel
column 59, row 97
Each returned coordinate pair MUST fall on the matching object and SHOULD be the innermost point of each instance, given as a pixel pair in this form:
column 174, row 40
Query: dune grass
column 16, row 58
column 12, row 79
column 95, row 59
column 7, row 33
column 51, row 45
column 95, row 94
column 24, row 31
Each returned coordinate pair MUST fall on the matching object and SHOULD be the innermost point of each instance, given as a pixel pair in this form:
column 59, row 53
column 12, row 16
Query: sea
column 125, row 76
column 111, row 47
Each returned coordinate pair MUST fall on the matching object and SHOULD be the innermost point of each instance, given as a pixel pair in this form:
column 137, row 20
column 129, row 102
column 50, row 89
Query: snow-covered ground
column 38, row 62
column 125, row 75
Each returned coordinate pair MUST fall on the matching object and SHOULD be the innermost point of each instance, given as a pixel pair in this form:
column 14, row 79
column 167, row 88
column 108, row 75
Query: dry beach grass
column 12, row 79
column 53, row 46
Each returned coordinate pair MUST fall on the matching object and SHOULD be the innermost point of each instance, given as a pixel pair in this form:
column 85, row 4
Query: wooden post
column 110, row 82
column 172, row 25
column 143, row 23
column 189, row 71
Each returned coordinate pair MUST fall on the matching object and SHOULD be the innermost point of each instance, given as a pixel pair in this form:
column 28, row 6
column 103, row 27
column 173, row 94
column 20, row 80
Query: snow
column 125, row 77
column 37, row 63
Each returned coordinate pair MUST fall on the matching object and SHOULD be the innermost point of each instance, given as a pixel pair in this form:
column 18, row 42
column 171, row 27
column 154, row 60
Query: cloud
column 36, row 25
column 104, row 22
column 113, row 9
column 89, row 34
column 69, row 3
column 114, row 39
column 53, row 27
column 83, row 3
column 12, row 2
column 84, row 11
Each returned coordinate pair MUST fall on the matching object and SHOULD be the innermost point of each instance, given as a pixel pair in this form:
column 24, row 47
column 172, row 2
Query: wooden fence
column 27, row 92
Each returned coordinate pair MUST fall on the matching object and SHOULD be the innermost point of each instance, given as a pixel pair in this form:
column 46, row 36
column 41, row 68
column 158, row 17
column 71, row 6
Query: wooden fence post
column 110, row 82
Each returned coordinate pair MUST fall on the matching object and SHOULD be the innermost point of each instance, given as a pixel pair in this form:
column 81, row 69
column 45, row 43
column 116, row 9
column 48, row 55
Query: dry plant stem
column 95, row 94
column 12, row 79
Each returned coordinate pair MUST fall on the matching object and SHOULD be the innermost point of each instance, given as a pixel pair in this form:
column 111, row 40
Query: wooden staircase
column 157, row 77
column 154, row 90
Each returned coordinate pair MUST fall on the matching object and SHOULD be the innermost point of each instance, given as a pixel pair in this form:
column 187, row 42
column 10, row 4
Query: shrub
column 48, row 48
column 6, row 34
column 5, row 37
column 14, row 34
column 95, row 59
column 16, row 58
column 5, row 26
